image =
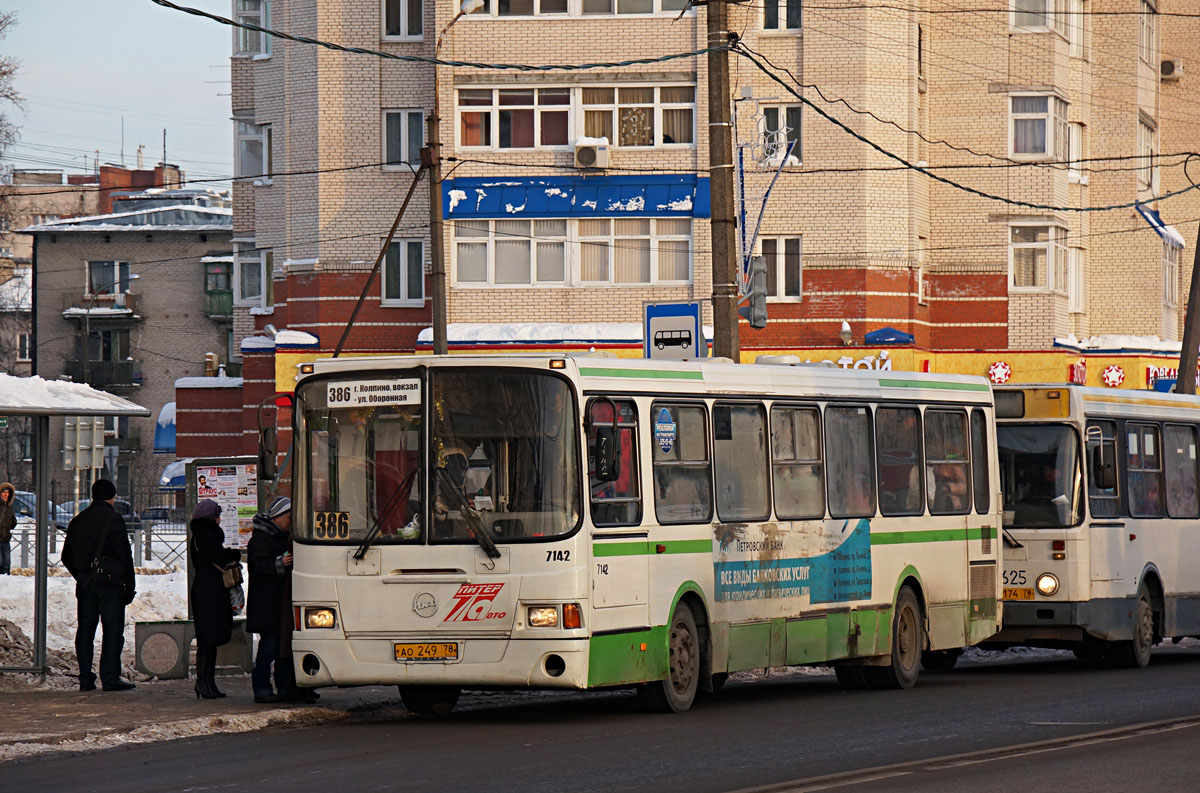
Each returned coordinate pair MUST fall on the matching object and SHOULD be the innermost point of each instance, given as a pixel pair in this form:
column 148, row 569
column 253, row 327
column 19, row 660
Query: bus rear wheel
column 907, row 644
column 676, row 692
column 429, row 700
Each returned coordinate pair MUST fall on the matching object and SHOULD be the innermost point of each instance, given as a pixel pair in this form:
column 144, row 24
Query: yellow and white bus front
column 437, row 515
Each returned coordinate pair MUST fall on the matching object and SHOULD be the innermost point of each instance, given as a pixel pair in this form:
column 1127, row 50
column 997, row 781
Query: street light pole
column 437, row 253
column 720, row 163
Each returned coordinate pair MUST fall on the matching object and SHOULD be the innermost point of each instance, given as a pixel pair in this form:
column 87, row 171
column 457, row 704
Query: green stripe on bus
column 939, row 384
column 641, row 373
column 647, row 548
column 931, row 535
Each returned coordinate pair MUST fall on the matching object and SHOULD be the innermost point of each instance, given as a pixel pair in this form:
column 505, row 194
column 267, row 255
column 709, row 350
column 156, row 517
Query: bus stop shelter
column 41, row 399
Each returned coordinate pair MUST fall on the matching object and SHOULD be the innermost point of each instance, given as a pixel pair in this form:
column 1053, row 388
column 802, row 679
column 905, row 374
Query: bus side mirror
column 608, row 462
column 1104, row 466
column 266, row 453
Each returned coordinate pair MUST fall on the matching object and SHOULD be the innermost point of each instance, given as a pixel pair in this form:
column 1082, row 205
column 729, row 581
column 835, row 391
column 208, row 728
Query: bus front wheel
column 429, row 700
column 1136, row 654
column 676, row 692
column 907, row 644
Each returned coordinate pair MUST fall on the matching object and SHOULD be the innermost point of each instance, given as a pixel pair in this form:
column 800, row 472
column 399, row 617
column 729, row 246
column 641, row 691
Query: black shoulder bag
column 106, row 571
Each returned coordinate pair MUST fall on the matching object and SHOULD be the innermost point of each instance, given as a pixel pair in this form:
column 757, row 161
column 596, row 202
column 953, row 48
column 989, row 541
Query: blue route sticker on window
column 664, row 430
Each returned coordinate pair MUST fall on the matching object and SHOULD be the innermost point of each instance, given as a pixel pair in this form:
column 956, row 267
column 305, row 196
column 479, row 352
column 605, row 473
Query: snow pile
column 1121, row 342
column 296, row 338
column 530, row 332
column 35, row 395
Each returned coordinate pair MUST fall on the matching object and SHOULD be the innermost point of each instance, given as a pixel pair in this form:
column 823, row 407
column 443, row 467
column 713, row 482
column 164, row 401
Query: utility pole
column 720, row 164
column 1185, row 380
column 436, row 254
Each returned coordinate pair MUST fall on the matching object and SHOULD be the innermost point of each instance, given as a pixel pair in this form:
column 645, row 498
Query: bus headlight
column 543, row 616
column 1047, row 584
column 320, row 618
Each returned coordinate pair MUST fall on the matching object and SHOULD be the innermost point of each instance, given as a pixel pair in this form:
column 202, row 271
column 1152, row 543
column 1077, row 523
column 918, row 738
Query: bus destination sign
column 374, row 393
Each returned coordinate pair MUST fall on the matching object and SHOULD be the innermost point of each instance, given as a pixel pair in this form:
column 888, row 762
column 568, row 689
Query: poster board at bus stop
column 233, row 483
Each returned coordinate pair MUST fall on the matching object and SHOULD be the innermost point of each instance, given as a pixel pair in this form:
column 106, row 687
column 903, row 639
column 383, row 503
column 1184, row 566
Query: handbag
column 237, row 599
column 105, row 571
column 231, row 574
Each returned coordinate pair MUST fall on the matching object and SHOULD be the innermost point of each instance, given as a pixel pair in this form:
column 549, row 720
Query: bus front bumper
column 1058, row 623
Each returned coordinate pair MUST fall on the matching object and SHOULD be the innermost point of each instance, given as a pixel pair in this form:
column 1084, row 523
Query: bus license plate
column 1018, row 593
column 426, row 651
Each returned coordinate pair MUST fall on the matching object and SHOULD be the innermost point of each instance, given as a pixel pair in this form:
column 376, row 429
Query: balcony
column 129, row 443
column 108, row 309
column 218, row 304
column 106, row 373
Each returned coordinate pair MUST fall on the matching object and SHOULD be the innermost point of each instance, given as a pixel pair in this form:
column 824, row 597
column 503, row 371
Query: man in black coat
column 99, row 533
column 270, row 565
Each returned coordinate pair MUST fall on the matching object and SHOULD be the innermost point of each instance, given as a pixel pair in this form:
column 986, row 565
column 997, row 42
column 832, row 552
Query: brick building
column 1059, row 105
column 130, row 302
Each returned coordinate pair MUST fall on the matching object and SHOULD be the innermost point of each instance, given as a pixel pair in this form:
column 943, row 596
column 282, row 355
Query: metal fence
column 166, row 541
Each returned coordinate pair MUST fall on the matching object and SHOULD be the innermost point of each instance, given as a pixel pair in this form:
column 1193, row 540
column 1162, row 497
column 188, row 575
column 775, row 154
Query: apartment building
column 129, row 302
column 578, row 195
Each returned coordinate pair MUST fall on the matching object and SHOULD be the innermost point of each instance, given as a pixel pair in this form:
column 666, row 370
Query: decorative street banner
column 235, row 488
column 776, row 565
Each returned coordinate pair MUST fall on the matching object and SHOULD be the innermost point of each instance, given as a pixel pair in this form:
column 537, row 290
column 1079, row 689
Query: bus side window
column 979, row 463
column 740, row 462
column 849, row 451
column 946, row 462
column 1144, row 470
column 898, row 440
column 682, row 474
column 1102, row 444
column 796, row 461
column 617, row 502
column 1179, row 463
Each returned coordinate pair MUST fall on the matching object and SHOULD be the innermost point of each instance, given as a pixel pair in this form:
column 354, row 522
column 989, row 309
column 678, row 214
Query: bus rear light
column 571, row 617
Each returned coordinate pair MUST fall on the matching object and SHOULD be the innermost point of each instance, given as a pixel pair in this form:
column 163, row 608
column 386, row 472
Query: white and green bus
column 1101, row 508
column 584, row 522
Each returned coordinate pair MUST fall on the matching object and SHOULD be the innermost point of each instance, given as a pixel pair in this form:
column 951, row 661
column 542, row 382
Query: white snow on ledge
column 1116, row 341
column 295, row 338
column 541, row 332
column 258, row 343
column 208, row 382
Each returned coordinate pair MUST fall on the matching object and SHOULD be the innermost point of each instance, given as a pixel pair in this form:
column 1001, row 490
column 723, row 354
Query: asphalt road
column 788, row 732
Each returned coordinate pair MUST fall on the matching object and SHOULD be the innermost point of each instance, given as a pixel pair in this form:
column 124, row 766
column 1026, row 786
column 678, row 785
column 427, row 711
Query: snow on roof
column 179, row 217
column 34, row 396
column 1117, row 341
column 16, row 294
column 531, row 332
column 295, row 338
column 166, row 416
column 258, row 343
column 208, row 382
column 79, row 311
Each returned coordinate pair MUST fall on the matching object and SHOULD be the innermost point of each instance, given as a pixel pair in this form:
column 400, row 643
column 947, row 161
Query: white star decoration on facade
column 999, row 372
column 1113, row 376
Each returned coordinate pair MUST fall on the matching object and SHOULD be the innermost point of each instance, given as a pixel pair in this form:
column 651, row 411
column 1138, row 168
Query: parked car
column 25, row 505
column 68, row 510
column 162, row 515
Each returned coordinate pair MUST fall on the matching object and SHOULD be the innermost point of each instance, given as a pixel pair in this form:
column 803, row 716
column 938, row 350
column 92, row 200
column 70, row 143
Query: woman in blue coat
column 212, row 613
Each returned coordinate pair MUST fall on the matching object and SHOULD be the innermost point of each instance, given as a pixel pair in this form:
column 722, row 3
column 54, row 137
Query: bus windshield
column 1040, row 475
column 496, row 448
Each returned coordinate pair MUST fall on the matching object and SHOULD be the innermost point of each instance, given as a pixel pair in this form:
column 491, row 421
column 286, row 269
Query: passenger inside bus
column 949, row 489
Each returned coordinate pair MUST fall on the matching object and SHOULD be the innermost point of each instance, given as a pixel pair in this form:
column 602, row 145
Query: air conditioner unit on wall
column 591, row 154
column 1171, row 69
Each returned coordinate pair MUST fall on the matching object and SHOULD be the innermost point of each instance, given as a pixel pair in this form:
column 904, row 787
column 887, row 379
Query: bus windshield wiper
column 1010, row 540
column 446, row 484
column 405, row 483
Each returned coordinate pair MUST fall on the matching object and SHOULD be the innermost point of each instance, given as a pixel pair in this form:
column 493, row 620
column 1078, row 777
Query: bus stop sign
column 672, row 331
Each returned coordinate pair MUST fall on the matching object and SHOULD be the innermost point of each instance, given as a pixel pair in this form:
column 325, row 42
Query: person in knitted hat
column 98, row 556
column 212, row 615
column 269, row 603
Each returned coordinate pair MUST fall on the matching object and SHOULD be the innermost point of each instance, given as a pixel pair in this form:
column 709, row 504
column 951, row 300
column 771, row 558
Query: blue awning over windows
column 642, row 195
column 164, row 430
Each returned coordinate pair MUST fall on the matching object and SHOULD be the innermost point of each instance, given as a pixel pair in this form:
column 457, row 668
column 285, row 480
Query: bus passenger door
column 620, row 565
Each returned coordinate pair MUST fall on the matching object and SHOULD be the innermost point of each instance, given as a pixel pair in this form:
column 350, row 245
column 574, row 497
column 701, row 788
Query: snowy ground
column 161, row 595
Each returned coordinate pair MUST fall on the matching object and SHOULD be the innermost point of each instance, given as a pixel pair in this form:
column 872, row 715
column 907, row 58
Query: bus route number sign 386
column 373, row 393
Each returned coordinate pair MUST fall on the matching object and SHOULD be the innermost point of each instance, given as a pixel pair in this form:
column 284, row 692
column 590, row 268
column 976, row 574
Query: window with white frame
column 1038, row 126
column 1075, row 280
column 1170, row 275
column 251, row 12
column 107, row 278
column 1039, row 14
column 600, row 7
column 525, row 118
column 1146, row 149
column 785, row 276
column 403, row 137
column 250, row 274
column 1075, row 174
column 1074, row 27
column 403, row 19
column 781, row 128
column 1146, row 41
column 25, row 446
column 781, row 15
column 23, row 349
column 250, row 150
column 579, row 8
column 568, row 252
column 404, row 274
column 40, row 219
column 1037, row 258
